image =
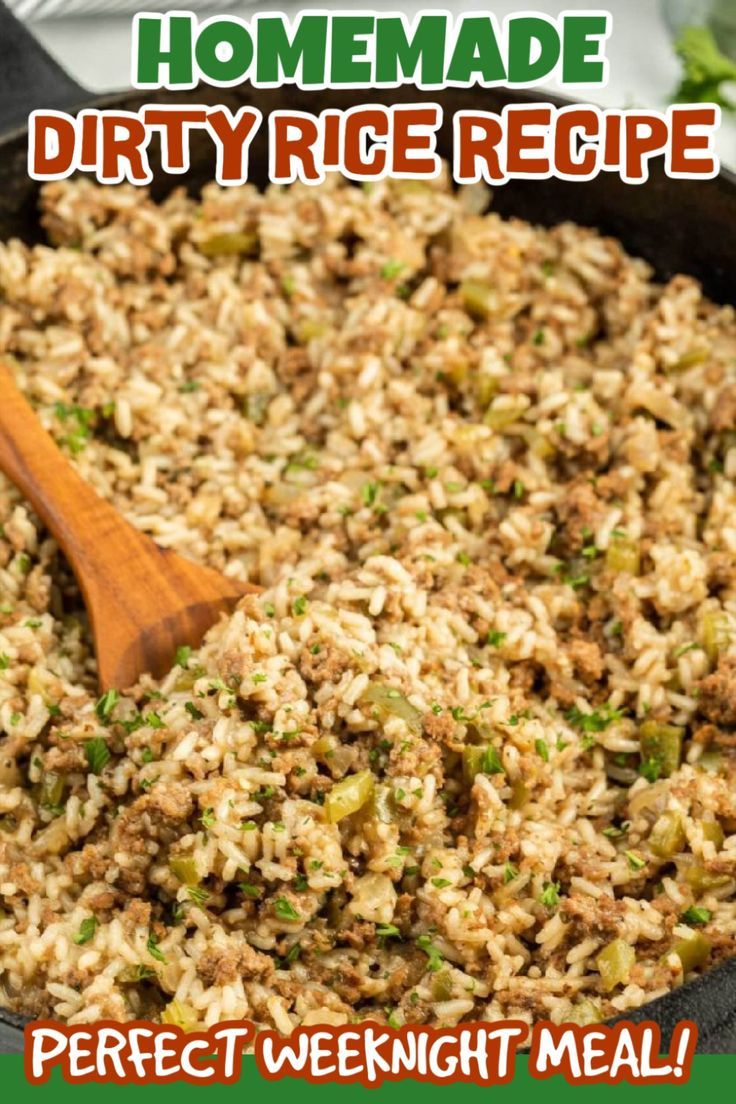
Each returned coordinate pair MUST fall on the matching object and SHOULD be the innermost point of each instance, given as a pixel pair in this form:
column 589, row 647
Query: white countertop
column 95, row 49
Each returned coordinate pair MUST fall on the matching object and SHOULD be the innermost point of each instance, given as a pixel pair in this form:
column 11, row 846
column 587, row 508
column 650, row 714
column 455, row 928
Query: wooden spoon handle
column 32, row 460
column 143, row 601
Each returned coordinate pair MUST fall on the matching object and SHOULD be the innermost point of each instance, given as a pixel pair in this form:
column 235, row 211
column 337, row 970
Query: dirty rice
column 486, row 473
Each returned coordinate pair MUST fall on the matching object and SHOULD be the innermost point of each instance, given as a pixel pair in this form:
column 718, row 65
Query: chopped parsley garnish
column 300, row 606
column 650, row 769
column 285, row 910
column 250, row 890
column 435, row 958
column 79, row 420
column 391, row 269
column 86, row 931
column 495, row 639
column 208, row 818
column 597, row 721
column 97, row 754
column 387, row 931
column 23, row 562
column 696, row 914
column 550, row 895
column 293, row 954
column 153, row 948
column 576, row 581
column 613, row 832
column 106, row 704
column 509, row 872
column 542, row 750
column 490, row 762
column 193, row 712
column 636, row 862
column 369, row 493
column 182, row 655
column 441, row 883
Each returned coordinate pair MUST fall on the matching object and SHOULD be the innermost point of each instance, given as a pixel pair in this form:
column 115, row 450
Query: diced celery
column 711, row 761
column 538, row 444
column 442, row 986
column 478, row 299
column 583, row 1013
column 520, row 794
column 409, row 187
column 688, row 360
column 387, row 701
column 693, row 951
column 500, row 417
column 309, row 329
column 661, row 744
column 184, row 868
column 614, row 963
column 180, row 1014
column 623, row 555
column 713, row 832
column 349, row 795
column 714, row 634
column 480, row 759
column 49, row 792
column 668, row 835
column 702, row 880
column 485, row 388
column 382, row 807
column 255, row 406
column 235, row 244
column 456, row 370
column 186, row 680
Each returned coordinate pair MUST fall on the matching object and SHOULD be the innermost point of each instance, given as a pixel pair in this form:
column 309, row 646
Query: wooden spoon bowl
column 143, row 601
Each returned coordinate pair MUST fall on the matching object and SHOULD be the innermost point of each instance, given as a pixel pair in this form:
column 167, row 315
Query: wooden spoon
column 143, row 601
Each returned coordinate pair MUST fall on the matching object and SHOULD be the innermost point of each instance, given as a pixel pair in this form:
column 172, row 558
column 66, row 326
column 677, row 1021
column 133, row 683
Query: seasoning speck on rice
column 470, row 755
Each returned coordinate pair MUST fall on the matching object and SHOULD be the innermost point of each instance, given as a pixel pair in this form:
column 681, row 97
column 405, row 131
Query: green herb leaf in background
column 705, row 69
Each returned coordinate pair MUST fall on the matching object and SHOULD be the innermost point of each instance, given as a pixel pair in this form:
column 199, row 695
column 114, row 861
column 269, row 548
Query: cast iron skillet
column 678, row 226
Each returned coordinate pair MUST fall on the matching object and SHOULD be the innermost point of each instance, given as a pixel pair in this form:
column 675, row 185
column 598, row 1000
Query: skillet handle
column 29, row 78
